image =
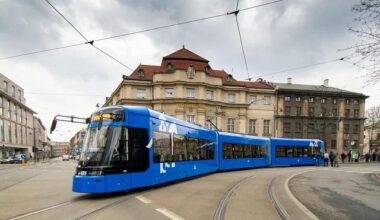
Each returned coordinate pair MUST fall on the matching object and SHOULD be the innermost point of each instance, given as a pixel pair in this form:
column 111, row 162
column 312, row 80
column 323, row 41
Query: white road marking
column 143, row 199
column 169, row 214
column 295, row 200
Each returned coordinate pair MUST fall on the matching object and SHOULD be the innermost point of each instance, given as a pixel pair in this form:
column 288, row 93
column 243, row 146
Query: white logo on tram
column 167, row 126
column 164, row 166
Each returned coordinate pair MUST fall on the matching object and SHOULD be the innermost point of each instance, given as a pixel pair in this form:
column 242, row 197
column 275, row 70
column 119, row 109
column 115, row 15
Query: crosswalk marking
column 169, row 214
column 143, row 199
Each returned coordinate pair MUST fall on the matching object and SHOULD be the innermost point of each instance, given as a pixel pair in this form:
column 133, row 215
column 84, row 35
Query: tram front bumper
column 89, row 184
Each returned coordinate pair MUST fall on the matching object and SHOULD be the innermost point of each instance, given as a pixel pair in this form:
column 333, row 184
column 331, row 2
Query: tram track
column 277, row 205
column 19, row 182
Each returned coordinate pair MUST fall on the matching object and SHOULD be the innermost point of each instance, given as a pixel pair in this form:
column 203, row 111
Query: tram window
column 247, row 151
column 314, row 151
column 289, row 151
column 227, row 151
column 262, row 151
column 298, row 151
column 280, row 151
column 192, row 145
column 179, row 148
column 206, row 149
column 238, row 151
column 306, row 152
column 162, row 147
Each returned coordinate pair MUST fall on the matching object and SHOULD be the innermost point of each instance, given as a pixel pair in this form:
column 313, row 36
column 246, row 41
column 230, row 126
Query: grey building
column 323, row 112
column 16, row 120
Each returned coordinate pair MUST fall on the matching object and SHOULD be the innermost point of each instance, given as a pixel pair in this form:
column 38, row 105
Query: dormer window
column 208, row 69
column 229, row 77
column 169, row 68
column 141, row 73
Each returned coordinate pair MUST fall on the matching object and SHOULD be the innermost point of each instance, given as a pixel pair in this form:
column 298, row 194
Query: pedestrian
column 355, row 157
column 367, row 156
column 374, row 156
column 326, row 159
column 332, row 158
column 378, row 156
column 349, row 155
column 343, row 156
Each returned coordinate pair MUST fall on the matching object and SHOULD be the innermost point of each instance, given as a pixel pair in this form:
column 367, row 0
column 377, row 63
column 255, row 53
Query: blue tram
column 295, row 152
column 130, row 147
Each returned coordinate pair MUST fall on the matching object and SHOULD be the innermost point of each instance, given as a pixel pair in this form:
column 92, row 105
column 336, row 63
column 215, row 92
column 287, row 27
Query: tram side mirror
column 88, row 120
column 53, row 125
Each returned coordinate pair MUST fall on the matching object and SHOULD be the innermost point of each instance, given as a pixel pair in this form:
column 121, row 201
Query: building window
column 287, row 127
column 141, row 73
column 209, row 123
column 333, row 128
column 169, row 68
column 266, row 100
column 141, row 93
column 231, row 125
column 298, row 110
column 1, row 130
column 334, row 101
column 334, row 112
column 169, row 92
column 252, row 126
column 252, row 99
column 323, row 111
column 333, row 144
column 287, row 110
column 346, row 128
column 323, row 100
column 19, row 94
column 298, row 99
column 311, row 111
column 356, row 129
column 347, row 113
column 311, row 99
column 1, row 106
column 5, row 86
column 209, row 95
column 231, row 98
column 310, row 128
column 266, row 126
column 7, row 105
column 190, row 93
column 298, row 127
column 356, row 113
column 287, row 98
column 190, row 118
column 348, row 101
column 13, row 91
column 18, row 114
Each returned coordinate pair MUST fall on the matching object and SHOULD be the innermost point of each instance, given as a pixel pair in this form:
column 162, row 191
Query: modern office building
column 185, row 86
column 16, row 120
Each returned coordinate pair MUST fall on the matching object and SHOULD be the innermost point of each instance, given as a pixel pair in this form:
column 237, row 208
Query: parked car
column 11, row 160
column 65, row 157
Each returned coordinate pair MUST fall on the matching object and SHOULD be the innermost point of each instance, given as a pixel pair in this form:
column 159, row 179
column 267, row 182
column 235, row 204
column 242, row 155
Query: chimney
column 326, row 83
column 289, row 80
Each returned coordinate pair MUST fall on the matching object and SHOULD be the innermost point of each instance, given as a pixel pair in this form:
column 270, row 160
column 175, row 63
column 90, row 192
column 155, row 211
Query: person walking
column 326, row 159
column 343, row 156
column 349, row 155
column 332, row 158
column 367, row 156
column 374, row 156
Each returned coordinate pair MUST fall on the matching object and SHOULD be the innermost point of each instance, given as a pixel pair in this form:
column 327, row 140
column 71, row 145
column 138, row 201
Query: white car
column 65, row 157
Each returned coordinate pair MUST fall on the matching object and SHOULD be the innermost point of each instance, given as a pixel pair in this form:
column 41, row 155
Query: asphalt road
column 43, row 191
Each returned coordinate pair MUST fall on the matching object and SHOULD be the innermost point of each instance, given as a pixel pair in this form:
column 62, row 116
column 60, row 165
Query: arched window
column 169, row 68
column 207, row 69
column 229, row 77
column 141, row 73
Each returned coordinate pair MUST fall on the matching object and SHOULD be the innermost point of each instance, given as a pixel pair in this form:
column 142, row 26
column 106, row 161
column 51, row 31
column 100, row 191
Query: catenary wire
column 87, row 41
column 141, row 31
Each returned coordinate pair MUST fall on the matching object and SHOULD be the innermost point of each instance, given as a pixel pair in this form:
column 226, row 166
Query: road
column 43, row 191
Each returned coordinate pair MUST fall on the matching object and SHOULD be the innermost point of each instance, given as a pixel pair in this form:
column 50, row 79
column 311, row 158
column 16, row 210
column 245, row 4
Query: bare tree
column 368, row 31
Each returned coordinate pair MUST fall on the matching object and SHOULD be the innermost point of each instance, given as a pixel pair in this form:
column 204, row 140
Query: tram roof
column 243, row 136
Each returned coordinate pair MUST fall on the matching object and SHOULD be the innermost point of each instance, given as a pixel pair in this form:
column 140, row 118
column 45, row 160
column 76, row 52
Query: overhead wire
column 140, row 31
column 87, row 41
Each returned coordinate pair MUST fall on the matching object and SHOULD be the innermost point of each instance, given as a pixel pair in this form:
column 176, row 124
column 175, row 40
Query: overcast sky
column 277, row 37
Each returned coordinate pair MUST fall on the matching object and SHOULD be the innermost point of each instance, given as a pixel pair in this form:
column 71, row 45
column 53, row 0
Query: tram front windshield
column 115, row 148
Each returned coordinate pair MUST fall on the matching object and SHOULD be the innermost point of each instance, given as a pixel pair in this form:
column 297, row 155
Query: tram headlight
column 94, row 173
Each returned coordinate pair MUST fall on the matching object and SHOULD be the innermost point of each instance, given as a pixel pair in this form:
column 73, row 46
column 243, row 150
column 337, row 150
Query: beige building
column 372, row 138
column 42, row 144
column 76, row 142
column 185, row 86
column 16, row 120
column 60, row 148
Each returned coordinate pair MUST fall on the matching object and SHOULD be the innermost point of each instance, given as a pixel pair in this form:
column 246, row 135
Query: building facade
column 42, row 147
column 323, row 112
column 16, row 120
column 372, row 138
column 60, row 148
column 185, row 86
column 76, row 142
